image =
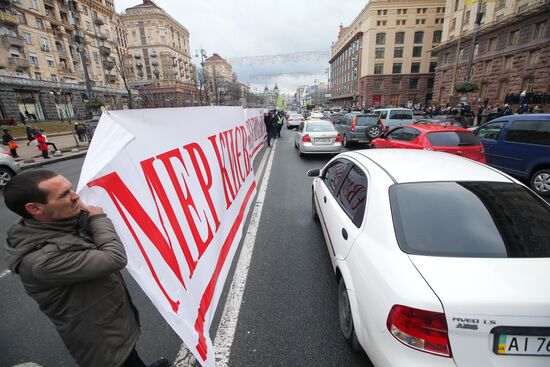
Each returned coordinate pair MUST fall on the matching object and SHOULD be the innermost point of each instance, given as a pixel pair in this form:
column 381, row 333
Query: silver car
column 317, row 137
column 294, row 120
column 8, row 167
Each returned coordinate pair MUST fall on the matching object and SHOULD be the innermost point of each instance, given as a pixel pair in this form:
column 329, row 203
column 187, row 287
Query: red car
column 450, row 139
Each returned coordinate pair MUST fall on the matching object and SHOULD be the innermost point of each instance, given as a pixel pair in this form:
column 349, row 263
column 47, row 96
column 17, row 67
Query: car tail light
column 338, row 138
column 353, row 124
column 419, row 329
column 306, row 139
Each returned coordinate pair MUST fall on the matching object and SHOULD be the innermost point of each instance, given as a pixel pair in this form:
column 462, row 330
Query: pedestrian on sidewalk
column 69, row 257
column 40, row 142
column 268, row 128
column 48, row 142
column 280, row 121
column 8, row 140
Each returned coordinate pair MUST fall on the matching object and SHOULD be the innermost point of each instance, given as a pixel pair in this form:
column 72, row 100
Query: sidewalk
column 30, row 156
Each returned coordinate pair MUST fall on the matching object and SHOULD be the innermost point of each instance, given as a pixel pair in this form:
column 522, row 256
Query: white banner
column 177, row 184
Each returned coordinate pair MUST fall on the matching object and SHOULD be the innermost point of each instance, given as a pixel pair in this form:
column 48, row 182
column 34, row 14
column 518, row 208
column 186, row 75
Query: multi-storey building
column 384, row 56
column 159, row 66
column 510, row 54
column 50, row 44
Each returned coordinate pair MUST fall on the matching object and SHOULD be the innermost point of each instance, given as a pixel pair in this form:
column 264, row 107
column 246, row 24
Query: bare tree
column 202, row 80
column 120, row 68
column 234, row 92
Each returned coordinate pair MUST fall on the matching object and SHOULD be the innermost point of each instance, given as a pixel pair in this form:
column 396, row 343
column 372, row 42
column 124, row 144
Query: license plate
column 322, row 140
column 523, row 345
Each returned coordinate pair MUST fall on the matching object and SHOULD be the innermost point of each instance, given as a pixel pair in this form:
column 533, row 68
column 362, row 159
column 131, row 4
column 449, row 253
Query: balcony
column 137, row 55
column 108, row 64
column 6, row 18
column 154, row 63
column 49, row 2
column 62, row 53
column 99, row 21
column 153, row 54
column 111, row 78
column 19, row 62
column 102, row 36
column 13, row 41
column 104, row 50
column 44, row 48
column 139, row 65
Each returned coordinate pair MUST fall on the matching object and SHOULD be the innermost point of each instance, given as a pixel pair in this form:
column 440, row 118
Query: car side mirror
column 315, row 172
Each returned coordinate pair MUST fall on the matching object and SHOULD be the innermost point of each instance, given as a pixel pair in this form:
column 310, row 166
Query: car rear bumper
column 309, row 148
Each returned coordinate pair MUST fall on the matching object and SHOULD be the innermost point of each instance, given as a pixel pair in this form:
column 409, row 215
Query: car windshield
column 401, row 115
column 317, row 127
column 366, row 120
column 453, row 139
column 470, row 219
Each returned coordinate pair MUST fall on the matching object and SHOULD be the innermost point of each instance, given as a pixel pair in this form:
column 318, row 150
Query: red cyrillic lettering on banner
column 237, row 146
column 229, row 142
column 227, row 187
column 122, row 197
column 208, row 294
column 246, row 155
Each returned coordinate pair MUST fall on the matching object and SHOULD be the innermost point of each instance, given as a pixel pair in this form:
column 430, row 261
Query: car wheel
column 374, row 131
column 346, row 319
column 5, row 176
column 345, row 141
column 300, row 152
column 313, row 208
column 540, row 182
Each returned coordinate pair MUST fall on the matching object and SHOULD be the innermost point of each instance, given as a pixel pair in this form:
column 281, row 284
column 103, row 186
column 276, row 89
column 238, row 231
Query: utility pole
column 479, row 17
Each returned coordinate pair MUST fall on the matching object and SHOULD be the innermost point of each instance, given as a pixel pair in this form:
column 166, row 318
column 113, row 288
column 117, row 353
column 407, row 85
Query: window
column 439, row 20
column 421, row 21
column 484, row 90
column 513, row 38
column 453, row 24
column 420, row 10
column 378, row 68
column 506, row 233
column 381, row 38
column 491, row 131
column 398, row 52
column 431, row 82
column 377, row 84
column 433, row 65
column 528, row 84
column 84, row 10
column 37, row 76
column 88, row 26
column 399, row 38
column 401, row 11
column 50, row 62
column 379, row 53
column 54, row 78
column 413, row 83
column 380, row 23
column 417, row 51
column 34, row 59
column 44, row 44
column 353, row 194
column 529, row 132
column 539, row 31
column 334, row 174
column 396, row 84
column 489, row 66
column 382, row 12
column 401, row 22
column 446, row 57
column 507, row 63
column 437, row 37
column 418, row 37
column 396, row 69
column 492, row 44
column 461, row 53
column 28, row 38
column 476, row 48
column 467, row 17
column 415, row 67
column 502, row 89
column 39, row 23
column 534, row 57
column 394, row 101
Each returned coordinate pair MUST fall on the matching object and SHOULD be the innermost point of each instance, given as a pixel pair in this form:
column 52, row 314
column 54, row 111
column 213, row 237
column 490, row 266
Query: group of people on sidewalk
column 274, row 121
column 39, row 138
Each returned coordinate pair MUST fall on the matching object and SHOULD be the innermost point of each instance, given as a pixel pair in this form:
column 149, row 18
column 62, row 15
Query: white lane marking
column 185, row 358
column 4, row 273
column 230, row 316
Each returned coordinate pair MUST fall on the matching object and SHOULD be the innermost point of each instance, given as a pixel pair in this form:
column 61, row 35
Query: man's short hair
column 23, row 189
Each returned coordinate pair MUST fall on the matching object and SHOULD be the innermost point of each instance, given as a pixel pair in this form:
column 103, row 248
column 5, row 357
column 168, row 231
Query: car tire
column 374, row 131
column 345, row 317
column 540, row 182
column 345, row 141
column 314, row 213
column 300, row 153
column 5, row 175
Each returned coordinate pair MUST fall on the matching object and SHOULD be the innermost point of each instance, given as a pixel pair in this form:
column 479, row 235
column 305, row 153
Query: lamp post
column 354, row 63
column 202, row 78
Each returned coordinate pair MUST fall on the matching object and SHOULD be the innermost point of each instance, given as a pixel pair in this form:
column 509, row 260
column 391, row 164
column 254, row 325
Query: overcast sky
column 237, row 28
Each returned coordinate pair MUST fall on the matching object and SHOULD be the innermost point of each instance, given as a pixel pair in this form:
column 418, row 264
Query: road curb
column 53, row 160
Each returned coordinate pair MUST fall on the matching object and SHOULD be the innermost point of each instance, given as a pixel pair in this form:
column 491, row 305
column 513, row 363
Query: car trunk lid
column 489, row 303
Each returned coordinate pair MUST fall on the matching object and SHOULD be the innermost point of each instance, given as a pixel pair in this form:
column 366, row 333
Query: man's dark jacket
column 71, row 268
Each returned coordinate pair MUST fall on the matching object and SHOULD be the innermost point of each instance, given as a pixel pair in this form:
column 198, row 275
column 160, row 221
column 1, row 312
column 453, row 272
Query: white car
column 317, row 137
column 441, row 261
column 294, row 120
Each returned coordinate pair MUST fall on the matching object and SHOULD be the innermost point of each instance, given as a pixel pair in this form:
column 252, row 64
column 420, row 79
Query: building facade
column 384, row 58
column 159, row 59
column 221, row 84
column 51, row 46
column 510, row 54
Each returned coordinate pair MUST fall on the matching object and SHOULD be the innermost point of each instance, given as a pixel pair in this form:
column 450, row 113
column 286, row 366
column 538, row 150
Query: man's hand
column 91, row 209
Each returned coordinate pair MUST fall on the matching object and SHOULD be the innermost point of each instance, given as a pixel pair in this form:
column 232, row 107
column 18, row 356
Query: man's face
column 63, row 202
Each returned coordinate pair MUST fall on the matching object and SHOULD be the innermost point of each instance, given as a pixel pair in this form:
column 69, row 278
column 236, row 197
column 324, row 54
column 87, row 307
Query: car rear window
column 470, row 219
column 453, row 139
column 319, row 127
column 366, row 120
column 295, row 117
column 401, row 115
column 337, row 118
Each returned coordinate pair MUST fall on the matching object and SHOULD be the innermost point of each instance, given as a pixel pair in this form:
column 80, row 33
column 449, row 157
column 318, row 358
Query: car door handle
column 325, row 199
column 344, row 233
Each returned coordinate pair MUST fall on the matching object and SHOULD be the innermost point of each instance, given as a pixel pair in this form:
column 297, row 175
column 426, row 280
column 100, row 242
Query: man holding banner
column 69, row 257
